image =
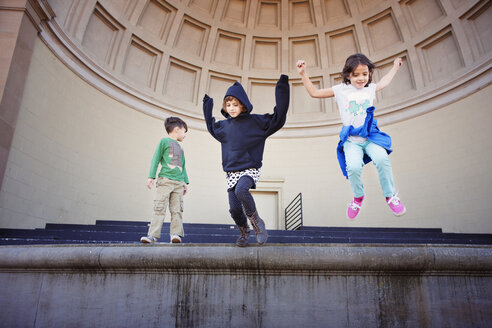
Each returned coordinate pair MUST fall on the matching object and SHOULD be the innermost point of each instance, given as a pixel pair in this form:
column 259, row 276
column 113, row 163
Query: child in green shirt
column 171, row 183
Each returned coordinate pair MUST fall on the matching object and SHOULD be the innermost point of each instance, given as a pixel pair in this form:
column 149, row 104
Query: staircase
column 129, row 232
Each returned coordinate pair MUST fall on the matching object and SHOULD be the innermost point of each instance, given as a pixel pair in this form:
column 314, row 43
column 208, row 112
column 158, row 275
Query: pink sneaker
column 395, row 205
column 354, row 207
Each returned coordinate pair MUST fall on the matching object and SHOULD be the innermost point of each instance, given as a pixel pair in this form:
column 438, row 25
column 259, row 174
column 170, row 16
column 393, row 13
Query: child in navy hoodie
column 242, row 136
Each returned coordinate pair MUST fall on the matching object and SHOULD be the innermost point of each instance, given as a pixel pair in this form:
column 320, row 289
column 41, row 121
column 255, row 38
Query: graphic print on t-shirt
column 176, row 153
column 358, row 102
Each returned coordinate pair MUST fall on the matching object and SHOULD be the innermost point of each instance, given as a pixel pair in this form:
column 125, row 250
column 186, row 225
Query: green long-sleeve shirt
column 171, row 157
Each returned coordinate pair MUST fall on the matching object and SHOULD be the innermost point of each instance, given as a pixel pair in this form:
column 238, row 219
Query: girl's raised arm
column 311, row 89
column 386, row 80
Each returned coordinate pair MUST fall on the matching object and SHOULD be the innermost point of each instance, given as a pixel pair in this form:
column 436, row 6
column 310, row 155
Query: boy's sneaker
column 395, row 205
column 148, row 239
column 354, row 207
column 175, row 239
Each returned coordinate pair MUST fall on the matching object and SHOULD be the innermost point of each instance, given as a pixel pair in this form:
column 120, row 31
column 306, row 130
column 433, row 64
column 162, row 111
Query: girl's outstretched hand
column 301, row 67
column 398, row 62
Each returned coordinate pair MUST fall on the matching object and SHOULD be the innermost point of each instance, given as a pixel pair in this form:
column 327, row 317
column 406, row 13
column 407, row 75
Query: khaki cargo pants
column 168, row 193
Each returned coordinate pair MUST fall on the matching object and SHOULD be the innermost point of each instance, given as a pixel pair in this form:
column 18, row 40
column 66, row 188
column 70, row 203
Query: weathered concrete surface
column 226, row 286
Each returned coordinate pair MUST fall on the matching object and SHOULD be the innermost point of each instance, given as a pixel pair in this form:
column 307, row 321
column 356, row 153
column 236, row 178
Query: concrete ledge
column 320, row 259
column 226, row 286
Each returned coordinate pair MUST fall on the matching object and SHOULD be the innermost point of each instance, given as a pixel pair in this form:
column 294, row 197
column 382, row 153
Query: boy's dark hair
column 351, row 64
column 172, row 122
column 230, row 98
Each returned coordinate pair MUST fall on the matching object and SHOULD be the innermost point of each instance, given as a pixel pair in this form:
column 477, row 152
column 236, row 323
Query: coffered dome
column 162, row 56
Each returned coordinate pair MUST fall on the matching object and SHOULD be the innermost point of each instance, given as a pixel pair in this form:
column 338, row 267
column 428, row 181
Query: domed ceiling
column 162, row 56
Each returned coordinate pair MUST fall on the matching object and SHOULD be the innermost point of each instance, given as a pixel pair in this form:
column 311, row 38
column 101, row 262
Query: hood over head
column 236, row 90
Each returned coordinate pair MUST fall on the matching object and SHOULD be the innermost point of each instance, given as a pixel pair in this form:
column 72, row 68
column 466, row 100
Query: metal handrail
column 293, row 214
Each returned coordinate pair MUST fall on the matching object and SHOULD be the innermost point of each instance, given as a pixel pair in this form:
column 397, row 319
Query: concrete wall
column 225, row 286
column 79, row 155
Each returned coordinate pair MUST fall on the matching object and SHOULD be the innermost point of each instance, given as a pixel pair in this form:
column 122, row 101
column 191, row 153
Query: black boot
column 258, row 227
column 242, row 241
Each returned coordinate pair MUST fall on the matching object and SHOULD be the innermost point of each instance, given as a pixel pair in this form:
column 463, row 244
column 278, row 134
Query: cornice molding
column 423, row 100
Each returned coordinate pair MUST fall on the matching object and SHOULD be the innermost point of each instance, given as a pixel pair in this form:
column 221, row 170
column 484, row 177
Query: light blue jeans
column 354, row 153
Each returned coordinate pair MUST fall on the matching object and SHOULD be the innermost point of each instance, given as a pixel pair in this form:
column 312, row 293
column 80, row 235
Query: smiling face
column 359, row 76
column 233, row 107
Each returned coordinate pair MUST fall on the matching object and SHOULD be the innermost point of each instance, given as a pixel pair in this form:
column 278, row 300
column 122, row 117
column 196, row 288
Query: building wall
column 78, row 155
column 17, row 36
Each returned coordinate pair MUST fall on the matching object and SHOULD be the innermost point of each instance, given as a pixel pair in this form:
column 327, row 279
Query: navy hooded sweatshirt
column 243, row 138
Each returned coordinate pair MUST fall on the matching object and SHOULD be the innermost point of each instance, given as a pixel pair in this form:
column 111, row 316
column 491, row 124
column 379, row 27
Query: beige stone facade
column 83, row 103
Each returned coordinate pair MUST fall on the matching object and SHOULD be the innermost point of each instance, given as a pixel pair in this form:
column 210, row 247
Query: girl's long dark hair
column 351, row 64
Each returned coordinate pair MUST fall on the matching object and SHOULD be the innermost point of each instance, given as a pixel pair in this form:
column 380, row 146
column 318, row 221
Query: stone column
column 19, row 24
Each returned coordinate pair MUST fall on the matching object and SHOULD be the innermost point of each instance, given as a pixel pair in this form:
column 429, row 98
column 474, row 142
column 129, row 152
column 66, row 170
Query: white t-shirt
column 352, row 104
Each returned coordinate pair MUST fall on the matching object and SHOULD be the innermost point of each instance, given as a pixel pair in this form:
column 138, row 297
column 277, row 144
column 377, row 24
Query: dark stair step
column 58, row 234
column 271, row 240
column 42, row 236
column 145, row 224
column 378, row 229
column 231, row 230
column 228, row 226
column 131, row 228
column 107, row 231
